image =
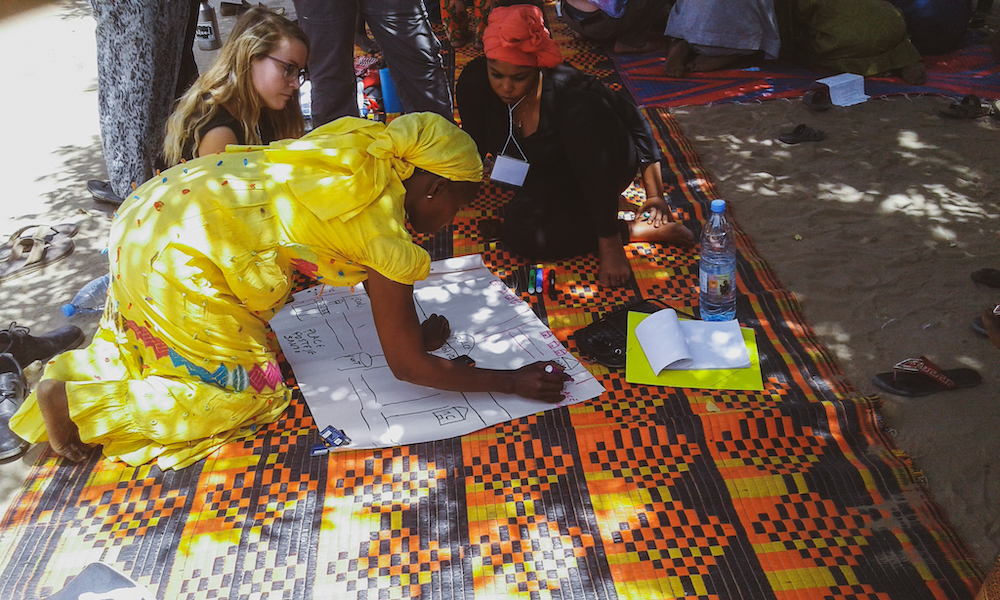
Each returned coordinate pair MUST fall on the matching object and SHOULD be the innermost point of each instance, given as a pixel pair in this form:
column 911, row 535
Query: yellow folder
column 637, row 369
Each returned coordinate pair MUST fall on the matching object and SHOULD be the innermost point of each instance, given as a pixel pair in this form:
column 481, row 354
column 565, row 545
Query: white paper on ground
column 328, row 337
column 846, row 89
column 672, row 344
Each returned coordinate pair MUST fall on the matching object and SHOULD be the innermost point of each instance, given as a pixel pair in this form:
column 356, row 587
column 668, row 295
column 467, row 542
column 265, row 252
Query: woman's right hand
column 533, row 382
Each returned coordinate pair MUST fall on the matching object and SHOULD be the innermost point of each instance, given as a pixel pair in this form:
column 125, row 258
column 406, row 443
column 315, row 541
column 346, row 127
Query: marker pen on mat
column 531, row 281
column 545, row 281
column 550, row 284
column 538, row 282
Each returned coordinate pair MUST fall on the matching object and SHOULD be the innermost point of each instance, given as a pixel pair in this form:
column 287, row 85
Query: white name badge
column 509, row 170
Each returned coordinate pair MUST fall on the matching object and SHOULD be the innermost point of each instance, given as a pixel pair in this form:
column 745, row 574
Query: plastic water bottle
column 90, row 299
column 717, row 277
column 207, row 30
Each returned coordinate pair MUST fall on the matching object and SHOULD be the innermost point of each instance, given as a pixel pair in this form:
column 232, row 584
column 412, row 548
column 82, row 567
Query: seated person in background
column 584, row 145
column 625, row 23
column 250, row 94
column 203, row 256
column 936, row 26
column 708, row 35
column 865, row 37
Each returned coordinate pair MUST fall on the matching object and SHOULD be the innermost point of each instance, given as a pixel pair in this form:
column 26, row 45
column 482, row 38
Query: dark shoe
column 26, row 348
column 817, row 100
column 988, row 277
column 969, row 107
column 13, row 391
column 102, row 192
column 802, row 133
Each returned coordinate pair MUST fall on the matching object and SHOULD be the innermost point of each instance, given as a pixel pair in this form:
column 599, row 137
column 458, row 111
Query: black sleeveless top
column 223, row 118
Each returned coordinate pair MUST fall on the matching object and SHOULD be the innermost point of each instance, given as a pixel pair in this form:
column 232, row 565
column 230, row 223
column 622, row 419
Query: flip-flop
column 802, row 133
column 48, row 233
column 969, row 107
column 978, row 326
column 920, row 377
column 32, row 253
column 990, row 277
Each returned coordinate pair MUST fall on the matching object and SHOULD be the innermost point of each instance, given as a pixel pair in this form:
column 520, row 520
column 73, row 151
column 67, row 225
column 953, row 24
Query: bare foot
column 991, row 320
column 671, row 234
column 64, row 435
column 614, row 270
column 915, row 74
column 702, row 63
column 676, row 59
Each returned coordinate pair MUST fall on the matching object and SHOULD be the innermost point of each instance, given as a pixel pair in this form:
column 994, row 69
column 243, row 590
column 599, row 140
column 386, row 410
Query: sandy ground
column 895, row 209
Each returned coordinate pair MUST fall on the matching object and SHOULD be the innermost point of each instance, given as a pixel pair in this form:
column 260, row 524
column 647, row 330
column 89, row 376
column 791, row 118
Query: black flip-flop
column 969, row 107
column 920, row 377
column 990, row 277
column 802, row 133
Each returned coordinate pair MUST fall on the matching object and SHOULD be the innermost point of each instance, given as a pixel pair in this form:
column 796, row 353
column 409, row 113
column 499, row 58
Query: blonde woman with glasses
column 250, row 95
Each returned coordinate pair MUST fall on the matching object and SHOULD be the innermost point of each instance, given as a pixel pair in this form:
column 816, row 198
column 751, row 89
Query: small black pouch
column 605, row 340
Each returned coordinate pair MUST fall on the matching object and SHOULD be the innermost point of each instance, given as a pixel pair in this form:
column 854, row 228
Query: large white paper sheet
column 328, row 336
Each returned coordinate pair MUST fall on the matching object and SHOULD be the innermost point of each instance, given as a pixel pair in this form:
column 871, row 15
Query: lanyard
column 510, row 131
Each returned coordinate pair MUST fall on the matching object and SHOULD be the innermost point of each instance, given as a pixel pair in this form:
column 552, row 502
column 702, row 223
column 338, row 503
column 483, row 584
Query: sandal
column 48, row 244
column 920, row 377
column 817, row 100
column 802, row 133
column 969, row 107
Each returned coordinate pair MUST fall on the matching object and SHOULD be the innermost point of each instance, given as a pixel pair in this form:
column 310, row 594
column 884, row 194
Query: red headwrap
column 517, row 35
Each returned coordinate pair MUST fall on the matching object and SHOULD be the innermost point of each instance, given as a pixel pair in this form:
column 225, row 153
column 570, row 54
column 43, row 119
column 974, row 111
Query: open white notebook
column 672, row 344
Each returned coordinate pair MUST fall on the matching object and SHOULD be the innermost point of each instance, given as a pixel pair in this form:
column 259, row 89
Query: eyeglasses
column 291, row 70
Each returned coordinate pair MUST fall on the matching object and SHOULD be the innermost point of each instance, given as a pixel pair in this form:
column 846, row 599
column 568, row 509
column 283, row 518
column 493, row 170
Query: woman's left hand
column 655, row 211
column 436, row 332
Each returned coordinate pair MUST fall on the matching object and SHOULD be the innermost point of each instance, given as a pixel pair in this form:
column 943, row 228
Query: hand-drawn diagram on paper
column 328, row 336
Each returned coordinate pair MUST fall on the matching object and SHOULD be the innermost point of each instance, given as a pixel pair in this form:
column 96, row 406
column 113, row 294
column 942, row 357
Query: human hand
column 488, row 162
column 535, row 382
column 436, row 332
column 655, row 211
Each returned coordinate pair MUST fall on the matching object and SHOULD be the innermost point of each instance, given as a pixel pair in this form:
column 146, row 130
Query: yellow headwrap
column 352, row 161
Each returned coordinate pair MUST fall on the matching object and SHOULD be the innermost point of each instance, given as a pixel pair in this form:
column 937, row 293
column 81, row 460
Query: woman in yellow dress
column 203, row 255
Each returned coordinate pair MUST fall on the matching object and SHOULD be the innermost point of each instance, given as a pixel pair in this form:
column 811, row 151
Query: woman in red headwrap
column 583, row 144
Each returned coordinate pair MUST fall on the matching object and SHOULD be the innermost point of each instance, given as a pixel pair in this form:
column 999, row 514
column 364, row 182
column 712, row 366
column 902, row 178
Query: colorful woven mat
column 972, row 70
column 790, row 493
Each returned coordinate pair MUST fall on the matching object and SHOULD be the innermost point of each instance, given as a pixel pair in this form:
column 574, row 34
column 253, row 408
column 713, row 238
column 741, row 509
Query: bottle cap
column 68, row 310
column 718, row 206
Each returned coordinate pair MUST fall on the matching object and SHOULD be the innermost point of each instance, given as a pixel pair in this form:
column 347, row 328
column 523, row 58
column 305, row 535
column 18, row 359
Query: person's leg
column 139, row 47
column 63, row 434
column 330, row 25
column 677, row 57
column 413, row 54
column 632, row 29
column 187, row 74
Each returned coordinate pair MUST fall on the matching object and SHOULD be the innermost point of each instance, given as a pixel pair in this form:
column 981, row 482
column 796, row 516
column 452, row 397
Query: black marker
column 552, row 284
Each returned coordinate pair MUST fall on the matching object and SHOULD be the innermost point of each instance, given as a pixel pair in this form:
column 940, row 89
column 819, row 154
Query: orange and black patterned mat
column 794, row 492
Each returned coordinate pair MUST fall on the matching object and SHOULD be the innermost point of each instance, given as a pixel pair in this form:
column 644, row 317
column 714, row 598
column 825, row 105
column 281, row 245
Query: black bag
column 605, row 339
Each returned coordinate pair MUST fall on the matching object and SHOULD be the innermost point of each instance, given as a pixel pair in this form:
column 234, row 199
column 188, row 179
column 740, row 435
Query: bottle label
column 205, row 31
column 717, row 281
